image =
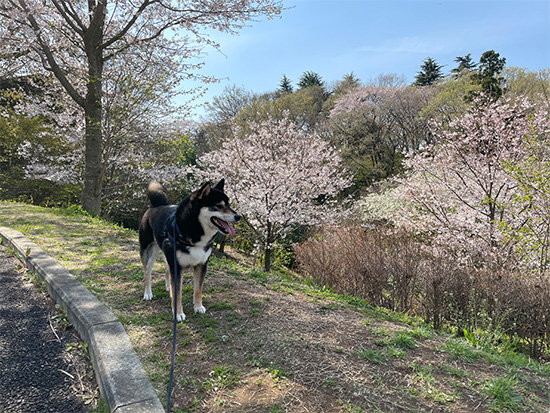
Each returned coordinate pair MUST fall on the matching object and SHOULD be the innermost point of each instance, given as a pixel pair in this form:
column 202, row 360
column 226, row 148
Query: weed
column 383, row 342
column 453, row 371
column 380, row 331
column 208, row 335
column 421, row 368
column 276, row 373
column 396, row 353
column 460, row 349
column 260, row 276
column 351, row 408
column 222, row 377
column 374, row 356
column 428, row 385
column 421, row 333
column 102, row 407
column 61, row 318
column 221, row 305
column 404, row 340
column 503, row 392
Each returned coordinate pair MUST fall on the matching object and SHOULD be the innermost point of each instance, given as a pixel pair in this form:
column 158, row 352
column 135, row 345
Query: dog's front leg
column 199, row 271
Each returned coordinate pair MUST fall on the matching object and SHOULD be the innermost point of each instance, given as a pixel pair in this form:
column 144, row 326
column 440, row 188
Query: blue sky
column 369, row 37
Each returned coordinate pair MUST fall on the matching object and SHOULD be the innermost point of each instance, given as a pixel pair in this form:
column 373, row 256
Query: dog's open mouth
column 223, row 226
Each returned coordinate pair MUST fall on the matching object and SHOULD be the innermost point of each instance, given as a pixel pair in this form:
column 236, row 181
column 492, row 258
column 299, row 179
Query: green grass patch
column 503, row 393
column 461, row 349
column 222, row 377
column 373, row 355
column 404, row 340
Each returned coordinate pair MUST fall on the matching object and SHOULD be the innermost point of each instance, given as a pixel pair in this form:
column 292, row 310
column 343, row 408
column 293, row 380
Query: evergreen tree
column 490, row 67
column 286, row 85
column 430, row 71
column 465, row 64
column 309, row 79
column 350, row 81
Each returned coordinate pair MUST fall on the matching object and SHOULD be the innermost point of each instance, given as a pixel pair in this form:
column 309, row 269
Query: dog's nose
column 237, row 217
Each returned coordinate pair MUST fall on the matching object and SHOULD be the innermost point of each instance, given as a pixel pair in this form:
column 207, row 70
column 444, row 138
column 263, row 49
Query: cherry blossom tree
column 459, row 185
column 279, row 176
column 530, row 230
column 83, row 43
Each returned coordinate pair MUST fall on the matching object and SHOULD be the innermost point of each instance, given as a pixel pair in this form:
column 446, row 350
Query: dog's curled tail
column 157, row 195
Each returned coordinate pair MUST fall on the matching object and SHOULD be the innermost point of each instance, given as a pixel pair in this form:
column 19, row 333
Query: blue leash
column 175, row 276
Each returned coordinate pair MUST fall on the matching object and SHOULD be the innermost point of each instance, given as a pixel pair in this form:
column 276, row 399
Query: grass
column 222, row 377
column 504, row 393
column 275, row 342
column 462, row 350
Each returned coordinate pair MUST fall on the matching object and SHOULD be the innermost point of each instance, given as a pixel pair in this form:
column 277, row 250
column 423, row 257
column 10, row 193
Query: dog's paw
column 200, row 309
column 148, row 296
column 181, row 317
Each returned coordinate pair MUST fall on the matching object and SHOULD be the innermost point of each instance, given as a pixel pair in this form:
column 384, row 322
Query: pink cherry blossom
column 279, row 176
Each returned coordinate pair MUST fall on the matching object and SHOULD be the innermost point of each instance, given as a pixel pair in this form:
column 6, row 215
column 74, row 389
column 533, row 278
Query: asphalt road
column 34, row 376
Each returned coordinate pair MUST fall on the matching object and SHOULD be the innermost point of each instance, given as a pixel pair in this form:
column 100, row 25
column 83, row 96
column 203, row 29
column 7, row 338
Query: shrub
column 395, row 270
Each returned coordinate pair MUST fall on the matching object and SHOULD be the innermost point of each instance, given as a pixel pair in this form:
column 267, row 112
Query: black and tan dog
column 185, row 234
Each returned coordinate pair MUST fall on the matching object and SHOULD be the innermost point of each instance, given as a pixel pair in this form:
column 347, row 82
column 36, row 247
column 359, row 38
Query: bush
column 365, row 262
column 38, row 191
column 393, row 269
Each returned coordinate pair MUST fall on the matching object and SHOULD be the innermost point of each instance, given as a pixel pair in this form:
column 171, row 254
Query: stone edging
column 119, row 373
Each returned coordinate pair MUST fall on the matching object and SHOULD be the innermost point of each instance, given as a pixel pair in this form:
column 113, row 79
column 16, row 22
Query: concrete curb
column 119, row 373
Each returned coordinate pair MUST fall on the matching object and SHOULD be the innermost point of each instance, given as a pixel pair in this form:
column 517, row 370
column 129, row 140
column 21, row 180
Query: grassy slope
column 271, row 343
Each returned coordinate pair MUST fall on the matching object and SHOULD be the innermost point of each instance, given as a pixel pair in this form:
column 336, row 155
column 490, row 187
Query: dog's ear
column 203, row 191
column 220, row 185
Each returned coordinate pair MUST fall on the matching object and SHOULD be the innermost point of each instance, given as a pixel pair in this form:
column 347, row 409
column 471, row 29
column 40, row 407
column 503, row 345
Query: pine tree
column 465, row 64
column 285, row 86
column 430, row 71
column 490, row 67
column 309, row 79
column 350, row 81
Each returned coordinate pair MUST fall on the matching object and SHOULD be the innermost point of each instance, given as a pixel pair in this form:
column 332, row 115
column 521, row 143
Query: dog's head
column 214, row 208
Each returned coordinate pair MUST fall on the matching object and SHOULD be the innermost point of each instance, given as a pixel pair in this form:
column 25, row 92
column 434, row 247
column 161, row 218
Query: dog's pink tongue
column 230, row 230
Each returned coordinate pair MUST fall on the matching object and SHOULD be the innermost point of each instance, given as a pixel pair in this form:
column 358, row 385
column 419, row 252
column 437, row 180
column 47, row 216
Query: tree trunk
column 221, row 246
column 91, row 193
column 267, row 254
column 267, row 260
column 93, row 111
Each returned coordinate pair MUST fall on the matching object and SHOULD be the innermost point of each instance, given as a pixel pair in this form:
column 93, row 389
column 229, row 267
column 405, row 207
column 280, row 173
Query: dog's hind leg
column 148, row 258
column 167, row 279
column 199, row 271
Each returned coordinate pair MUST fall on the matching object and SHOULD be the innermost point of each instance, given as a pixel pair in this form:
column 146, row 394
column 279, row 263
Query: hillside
column 274, row 343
